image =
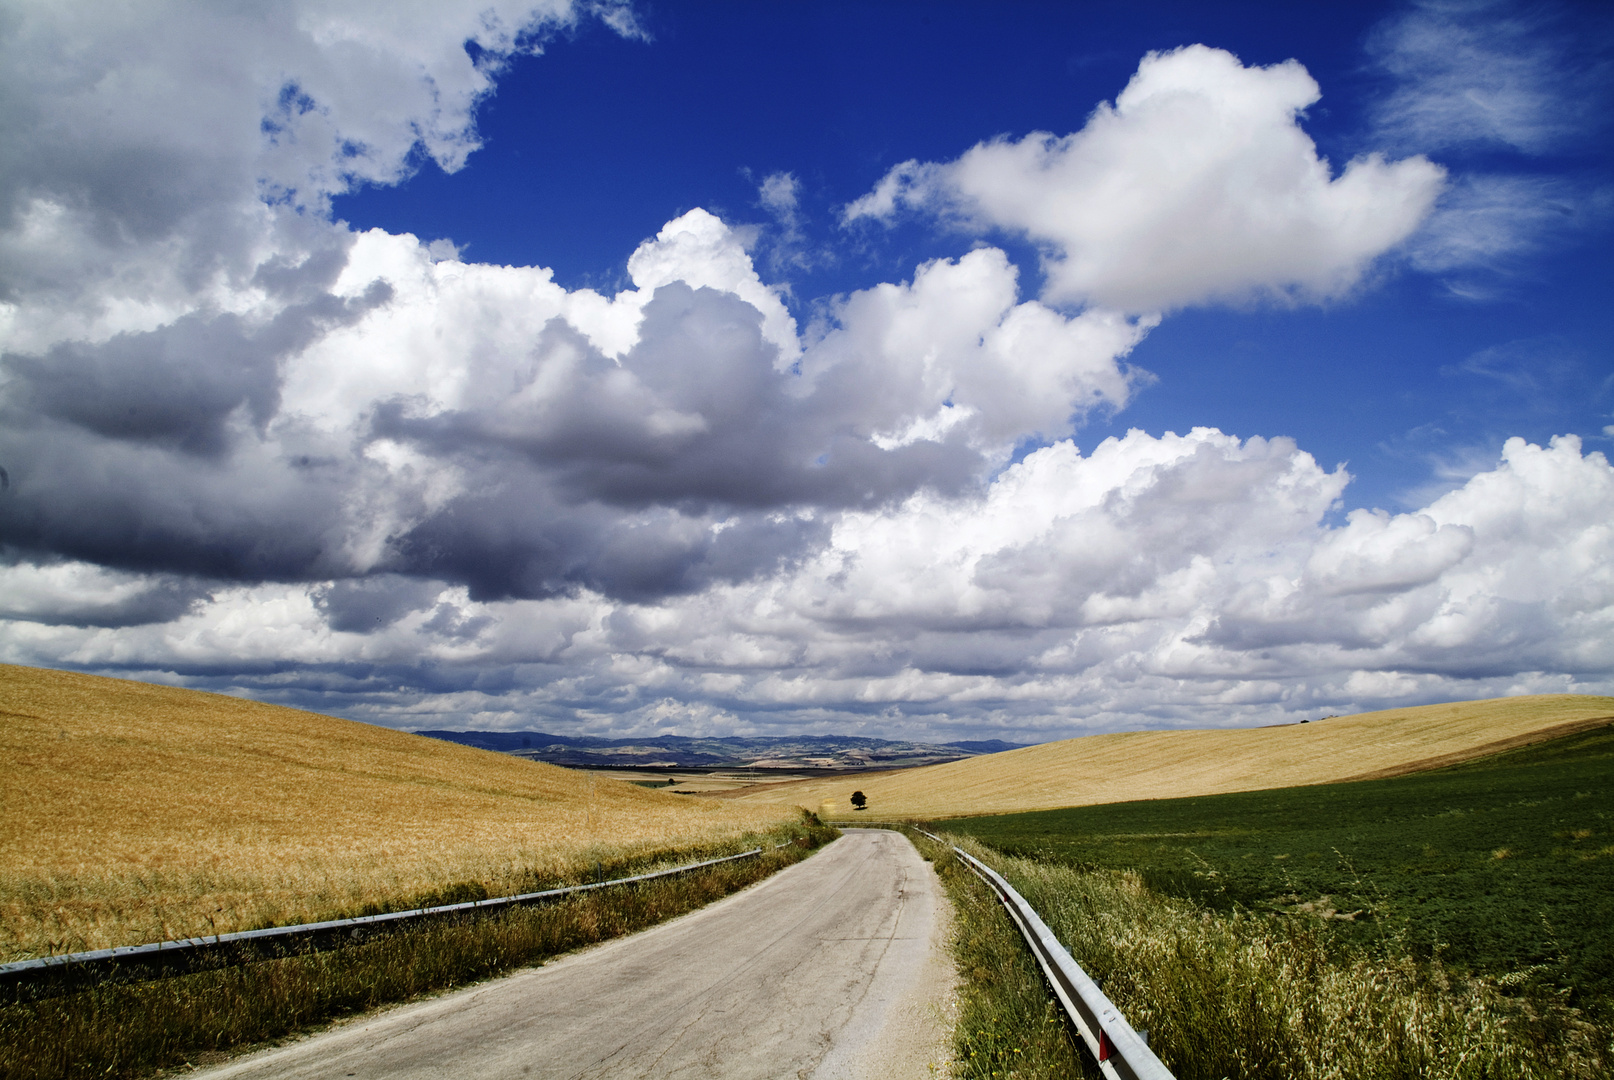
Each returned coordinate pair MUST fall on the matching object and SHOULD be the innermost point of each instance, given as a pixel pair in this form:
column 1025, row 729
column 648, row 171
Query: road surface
column 833, row 968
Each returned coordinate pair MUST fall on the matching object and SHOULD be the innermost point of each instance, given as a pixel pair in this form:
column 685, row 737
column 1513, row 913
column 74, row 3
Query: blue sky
column 925, row 370
column 591, row 147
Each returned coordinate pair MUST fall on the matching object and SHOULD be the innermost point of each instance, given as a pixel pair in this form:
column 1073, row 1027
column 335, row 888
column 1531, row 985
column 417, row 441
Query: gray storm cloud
column 542, row 465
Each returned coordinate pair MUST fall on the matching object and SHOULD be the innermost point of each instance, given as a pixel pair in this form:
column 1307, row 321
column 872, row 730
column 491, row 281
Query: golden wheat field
column 133, row 812
column 1168, row 764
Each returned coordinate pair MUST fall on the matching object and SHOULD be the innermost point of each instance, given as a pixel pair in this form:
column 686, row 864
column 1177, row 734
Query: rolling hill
column 133, row 812
column 1166, row 764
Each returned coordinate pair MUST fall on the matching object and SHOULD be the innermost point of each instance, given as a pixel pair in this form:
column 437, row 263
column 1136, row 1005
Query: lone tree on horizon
column 859, row 801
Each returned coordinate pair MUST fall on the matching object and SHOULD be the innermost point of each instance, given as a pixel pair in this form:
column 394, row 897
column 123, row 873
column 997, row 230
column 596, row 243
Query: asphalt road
column 834, row 968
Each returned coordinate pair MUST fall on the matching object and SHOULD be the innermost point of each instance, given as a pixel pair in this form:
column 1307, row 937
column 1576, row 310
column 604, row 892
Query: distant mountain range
column 817, row 752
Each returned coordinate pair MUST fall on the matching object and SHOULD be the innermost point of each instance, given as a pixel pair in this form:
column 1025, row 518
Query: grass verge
column 1008, row 1024
column 131, row 1030
column 1240, row 993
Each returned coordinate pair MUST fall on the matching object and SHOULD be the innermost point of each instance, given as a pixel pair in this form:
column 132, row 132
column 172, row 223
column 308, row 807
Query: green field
column 1503, row 866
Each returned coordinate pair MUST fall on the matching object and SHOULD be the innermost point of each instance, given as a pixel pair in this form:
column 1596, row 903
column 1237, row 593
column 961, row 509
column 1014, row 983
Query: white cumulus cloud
column 156, row 153
column 1197, row 185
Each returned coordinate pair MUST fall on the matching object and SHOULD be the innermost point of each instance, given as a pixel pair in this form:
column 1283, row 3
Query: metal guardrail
column 136, row 963
column 1121, row 1052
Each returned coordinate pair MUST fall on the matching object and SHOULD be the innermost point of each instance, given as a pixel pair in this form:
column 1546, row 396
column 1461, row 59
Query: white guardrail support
column 1121, row 1052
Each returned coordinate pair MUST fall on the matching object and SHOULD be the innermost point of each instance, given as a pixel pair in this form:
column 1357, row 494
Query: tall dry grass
column 1253, row 996
column 131, row 812
column 1128, row 766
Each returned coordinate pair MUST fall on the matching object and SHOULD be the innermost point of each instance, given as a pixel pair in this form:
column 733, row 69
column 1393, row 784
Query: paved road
column 834, row 968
